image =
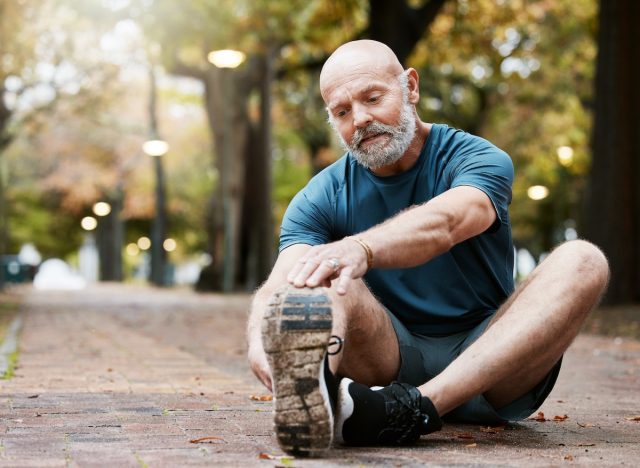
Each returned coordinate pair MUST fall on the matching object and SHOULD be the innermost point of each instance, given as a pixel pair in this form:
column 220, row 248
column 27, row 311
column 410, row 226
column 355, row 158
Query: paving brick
column 127, row 376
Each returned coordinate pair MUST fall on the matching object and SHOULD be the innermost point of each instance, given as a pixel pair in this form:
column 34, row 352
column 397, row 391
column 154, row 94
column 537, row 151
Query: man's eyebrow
column 372, row 87
column 367, row 89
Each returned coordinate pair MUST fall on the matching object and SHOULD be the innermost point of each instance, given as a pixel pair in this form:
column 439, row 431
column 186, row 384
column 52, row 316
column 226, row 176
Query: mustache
column 374, row 128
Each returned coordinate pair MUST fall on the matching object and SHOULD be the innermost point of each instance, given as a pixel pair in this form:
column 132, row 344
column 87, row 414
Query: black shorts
column 424, row 357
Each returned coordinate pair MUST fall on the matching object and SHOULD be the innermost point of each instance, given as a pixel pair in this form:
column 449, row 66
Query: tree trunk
column 399, row 25
column 258, row 254
column 227, row 94
column 613, row 197
column 5, row 139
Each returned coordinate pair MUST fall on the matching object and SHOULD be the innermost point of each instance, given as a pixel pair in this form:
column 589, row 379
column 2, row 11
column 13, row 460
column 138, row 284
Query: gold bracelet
column 366, row 248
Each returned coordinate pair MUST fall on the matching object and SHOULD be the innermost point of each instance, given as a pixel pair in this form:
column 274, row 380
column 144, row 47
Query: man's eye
column 374, row 98
column 341, row 113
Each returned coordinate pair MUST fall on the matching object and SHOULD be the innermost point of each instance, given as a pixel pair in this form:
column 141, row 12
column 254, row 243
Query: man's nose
column 361, row 116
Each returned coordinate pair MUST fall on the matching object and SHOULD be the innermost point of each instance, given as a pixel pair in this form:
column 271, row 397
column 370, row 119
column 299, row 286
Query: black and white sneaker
column 394, row 415
column 296, row 330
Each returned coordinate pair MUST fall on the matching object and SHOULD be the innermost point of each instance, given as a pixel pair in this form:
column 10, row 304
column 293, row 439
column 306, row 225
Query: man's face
column 373, row 118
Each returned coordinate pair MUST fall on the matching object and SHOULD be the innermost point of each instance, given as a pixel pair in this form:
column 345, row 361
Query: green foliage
column 518, row 73
column 291, row 172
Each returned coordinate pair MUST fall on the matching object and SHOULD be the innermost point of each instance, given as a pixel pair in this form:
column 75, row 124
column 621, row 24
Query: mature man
column 400, row 264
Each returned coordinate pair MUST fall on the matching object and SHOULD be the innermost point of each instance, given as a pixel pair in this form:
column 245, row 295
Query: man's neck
column 411, row 156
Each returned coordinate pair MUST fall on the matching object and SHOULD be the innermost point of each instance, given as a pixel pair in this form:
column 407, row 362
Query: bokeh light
column 144, row 243
column 89, row 223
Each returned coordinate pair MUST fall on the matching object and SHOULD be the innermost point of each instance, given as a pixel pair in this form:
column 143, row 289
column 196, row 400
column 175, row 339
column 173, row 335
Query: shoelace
column 404, row 417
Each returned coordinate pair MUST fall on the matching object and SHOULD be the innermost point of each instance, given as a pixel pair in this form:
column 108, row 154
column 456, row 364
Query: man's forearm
column 411, row 238
column 420, row 233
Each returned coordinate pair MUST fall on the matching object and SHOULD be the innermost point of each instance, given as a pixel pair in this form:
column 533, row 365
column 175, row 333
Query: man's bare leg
column 365, row 327
column 529, row 333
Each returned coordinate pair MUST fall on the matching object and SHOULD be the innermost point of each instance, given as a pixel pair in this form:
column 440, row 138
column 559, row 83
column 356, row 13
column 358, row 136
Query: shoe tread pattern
column 295, row 333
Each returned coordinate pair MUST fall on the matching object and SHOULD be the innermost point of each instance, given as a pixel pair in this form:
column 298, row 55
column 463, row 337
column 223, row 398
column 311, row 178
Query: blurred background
column 161, row 141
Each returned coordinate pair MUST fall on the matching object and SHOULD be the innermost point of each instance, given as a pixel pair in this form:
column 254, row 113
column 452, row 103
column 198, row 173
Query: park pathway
column 132, row 376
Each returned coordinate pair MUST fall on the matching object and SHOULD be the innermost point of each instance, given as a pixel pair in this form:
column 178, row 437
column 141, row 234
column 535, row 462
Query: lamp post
column 226, row 60
column 156, row 148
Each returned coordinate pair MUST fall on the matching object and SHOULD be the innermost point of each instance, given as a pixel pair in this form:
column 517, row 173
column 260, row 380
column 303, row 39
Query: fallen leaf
column 539, row 417
column 33, row 396
column 560, row 418
column 261, row 397
column 492, row 430
column 471, row 445
column 586, row 425
column 568, row 457
column 586, row 445
column 633, row 418
column 463, row 435
column 284, row 459
column 208, row 440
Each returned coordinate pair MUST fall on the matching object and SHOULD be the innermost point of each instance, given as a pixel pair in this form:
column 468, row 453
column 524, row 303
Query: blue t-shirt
column 452, row 292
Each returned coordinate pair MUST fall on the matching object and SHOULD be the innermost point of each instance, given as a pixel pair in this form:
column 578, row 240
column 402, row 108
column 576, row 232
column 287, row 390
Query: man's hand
column 259, row 365
column 343, row 260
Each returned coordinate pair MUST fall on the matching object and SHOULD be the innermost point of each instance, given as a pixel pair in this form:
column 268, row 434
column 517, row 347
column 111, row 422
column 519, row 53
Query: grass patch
column 141, row 462
column 11, row 365
column 9, row 306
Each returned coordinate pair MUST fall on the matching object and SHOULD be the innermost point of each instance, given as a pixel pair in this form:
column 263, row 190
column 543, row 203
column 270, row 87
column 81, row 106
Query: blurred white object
column 29, row 255
column 56, row 274
column 187, row 273
column 88, row 259
column 525, row 263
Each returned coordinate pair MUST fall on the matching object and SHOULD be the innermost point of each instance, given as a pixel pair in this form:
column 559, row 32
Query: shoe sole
column 295, row 333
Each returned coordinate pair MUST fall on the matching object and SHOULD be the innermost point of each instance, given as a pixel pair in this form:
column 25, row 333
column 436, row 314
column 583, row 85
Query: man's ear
column 413, row 84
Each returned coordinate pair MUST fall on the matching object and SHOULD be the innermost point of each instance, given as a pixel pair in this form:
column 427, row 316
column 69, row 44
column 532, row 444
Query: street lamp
column 226, row 58
column 89, row 223
column 101, row 209
column 157, row 148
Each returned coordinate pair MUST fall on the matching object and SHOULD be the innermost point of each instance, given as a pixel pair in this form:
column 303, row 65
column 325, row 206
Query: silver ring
column 334, row 264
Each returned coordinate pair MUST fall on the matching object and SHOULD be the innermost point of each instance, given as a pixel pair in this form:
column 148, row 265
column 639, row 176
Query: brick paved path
column 126, row 376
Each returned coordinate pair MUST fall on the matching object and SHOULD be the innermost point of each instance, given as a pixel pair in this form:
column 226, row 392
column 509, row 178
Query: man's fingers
column 266, row 380
column 297, row 268
column 343, row 280
column 301, row 278
column 325, row 271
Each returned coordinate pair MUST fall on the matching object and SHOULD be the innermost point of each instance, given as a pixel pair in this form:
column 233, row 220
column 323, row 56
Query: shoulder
column 458, row 146
column 326, row 184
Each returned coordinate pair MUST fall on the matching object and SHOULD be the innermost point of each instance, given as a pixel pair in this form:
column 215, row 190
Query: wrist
column 367, row 250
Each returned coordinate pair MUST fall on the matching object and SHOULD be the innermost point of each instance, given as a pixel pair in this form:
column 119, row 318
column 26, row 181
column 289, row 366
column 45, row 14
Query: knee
column 590, row 263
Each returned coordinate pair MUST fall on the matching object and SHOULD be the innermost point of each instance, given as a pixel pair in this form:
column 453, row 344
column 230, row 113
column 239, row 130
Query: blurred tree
column 520, row 77
column 36, row 74
column 613, row 202
column 238, row 104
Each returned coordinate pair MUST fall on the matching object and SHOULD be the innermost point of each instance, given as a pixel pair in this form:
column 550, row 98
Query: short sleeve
column 307, row 219
column 482, row 165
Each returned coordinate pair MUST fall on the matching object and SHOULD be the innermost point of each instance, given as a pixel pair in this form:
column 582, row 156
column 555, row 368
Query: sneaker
column 295, row 333
column 394, row 415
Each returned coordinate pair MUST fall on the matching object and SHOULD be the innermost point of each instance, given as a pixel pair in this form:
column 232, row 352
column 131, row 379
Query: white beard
column 390, row 149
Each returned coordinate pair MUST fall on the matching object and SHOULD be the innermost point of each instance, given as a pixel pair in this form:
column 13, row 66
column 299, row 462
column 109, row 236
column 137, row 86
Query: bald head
column 363, row 56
